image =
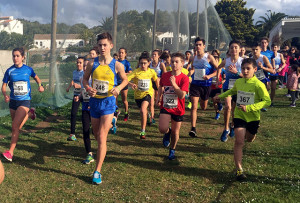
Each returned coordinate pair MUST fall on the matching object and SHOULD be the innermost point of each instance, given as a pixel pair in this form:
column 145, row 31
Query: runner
column 171, row 97
column 17, row 77
column 77, row 84
column 142, row 78
column 252, row 96
column 202, row 72
column 243, row 52
column 103, row 92
column 1, row 172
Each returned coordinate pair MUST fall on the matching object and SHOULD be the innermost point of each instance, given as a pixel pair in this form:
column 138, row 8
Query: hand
column 68, row 89
column 115, row 91
column 173, row 79
column 92, row 92
column 7, row 99
column 76, row 98
column 206, row 77
column 242, row 107
column 232, row 69
column 133, row 86
column 157, row 102
column 259, row 64
column 41, row 89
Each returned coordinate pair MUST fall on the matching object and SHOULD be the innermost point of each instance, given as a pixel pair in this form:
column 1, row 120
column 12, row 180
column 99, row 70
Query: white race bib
column 101, row 87
column 199, row 73
column 143, row 84
column 170, row 101
column 85, row 95
column 231, row 83
column 260, row 74
column 20, row 88
column 77, row 91
column 276, row 67
column 214, row 80
column 245, row 98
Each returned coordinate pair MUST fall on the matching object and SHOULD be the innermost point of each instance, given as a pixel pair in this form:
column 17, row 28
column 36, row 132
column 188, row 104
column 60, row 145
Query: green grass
column 47, row 168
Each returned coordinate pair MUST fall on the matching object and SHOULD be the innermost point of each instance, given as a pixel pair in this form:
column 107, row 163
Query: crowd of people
column 163, row 80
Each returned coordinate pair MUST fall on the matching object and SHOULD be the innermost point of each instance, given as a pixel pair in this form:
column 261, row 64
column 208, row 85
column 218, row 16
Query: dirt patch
column 47, row 123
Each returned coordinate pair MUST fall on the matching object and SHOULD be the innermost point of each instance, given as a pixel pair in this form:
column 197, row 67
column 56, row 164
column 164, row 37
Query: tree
column 87, row 36
column 237, row 19
column 267, row 22
column 13, row 40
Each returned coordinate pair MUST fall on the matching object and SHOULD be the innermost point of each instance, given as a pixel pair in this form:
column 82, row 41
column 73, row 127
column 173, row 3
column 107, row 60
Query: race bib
column 260, row 74
column 199, row 73
column 214, row 80
column 77, row 91
column 101, row 87
column 231, row 83
column 144, row 84
column 170, row 101
column 85, row 95
column 245, row 98
column 20, row 88
column 276, row 67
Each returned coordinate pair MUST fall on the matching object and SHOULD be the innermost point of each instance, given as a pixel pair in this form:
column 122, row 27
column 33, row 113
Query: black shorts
column 273, row 77
column 125, row 88
column 140, row 101
column 233, row 97
column 154, row 85
column 251, row 127
column 175, row 118
column 214, row 92
column 200, row 91
column 14, row 104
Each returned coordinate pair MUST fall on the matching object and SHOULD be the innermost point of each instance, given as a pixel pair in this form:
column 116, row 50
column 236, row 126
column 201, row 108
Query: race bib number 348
column 245, row 98
column 20, row 88
column 101, row 87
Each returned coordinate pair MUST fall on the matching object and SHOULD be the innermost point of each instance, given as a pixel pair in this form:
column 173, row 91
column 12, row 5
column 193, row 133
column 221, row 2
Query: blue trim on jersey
column 208, row 70
column 127, row 68
column 111, row 65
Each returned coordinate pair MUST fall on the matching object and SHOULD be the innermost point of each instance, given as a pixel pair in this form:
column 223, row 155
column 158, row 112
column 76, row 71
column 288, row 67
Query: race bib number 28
column 101, row 87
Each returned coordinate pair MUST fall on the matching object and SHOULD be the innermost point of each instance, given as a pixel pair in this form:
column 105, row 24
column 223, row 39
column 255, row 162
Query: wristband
column 118, row 88
column 40, row 85
column 87, row 89
column 238, row 73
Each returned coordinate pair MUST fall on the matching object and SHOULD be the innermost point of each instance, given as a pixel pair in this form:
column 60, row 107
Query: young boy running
column 142, row 78
column 252, row 96
column 171, row 97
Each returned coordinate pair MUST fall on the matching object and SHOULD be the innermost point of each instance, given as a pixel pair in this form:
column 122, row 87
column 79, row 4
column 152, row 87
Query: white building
column 10, row 25
column 168, row 37
column 43, row 41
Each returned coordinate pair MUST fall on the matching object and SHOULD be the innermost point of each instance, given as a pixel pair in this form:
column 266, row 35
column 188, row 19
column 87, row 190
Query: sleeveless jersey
column 202, row 67
column 260, row 73
column 277, row 63
column 104, row 78
column 156, row 69
column 230, row 75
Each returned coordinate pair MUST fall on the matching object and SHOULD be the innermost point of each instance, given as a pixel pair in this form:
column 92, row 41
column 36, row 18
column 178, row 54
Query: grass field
column 47, row 168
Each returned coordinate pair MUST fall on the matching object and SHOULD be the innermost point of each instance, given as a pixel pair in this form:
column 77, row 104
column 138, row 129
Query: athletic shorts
column 101, row 107
column 272, row 78
column 15, row 104
column 233, row 97
column 154, row 85
column 214, row 92
column 140, row 101
column 200, row 91
column 175, row 118
column 251, row 127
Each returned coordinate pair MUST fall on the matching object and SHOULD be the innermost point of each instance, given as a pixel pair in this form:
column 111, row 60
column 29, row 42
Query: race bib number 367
column 245, row 98
column 101, row 87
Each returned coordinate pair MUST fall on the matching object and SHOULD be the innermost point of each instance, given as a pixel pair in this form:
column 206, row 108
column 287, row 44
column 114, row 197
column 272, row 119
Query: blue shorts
column 101, row 107
column 15, row 104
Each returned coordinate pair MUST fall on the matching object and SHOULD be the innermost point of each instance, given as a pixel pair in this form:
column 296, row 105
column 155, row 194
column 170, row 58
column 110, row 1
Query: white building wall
column 46, row 44
column 12, row 26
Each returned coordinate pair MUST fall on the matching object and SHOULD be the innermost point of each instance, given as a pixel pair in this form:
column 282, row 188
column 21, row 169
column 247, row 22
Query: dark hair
column 19, row 49
column 274, row 44
column 115, row 54
column 165, row 55
column 250, row 61
column 188, row 51
column 81, row 57
column 235, row 42
column 104, row 35
column 255, row 44
column 200, row 39
column 264, row 38
column 145, row 55
column 215, row 51
column 158, row 51
column 178, row 54
column 124, row 49
column 295, row 66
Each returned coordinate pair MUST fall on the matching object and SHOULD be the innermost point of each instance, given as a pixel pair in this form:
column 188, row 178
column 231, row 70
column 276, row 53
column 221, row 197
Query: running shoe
column 231, row 134
column 193, row 133
column 224, row 135
column 272, row 104
column 113, row 130
column 293, row 105
column 153, row 121
column 264, row 109
column 72, row 138
column 220, row 106
column 126, row 117
column 288, row 95
column 7, row 155
column 189, row 105
column 240, row 176
column 171, row 154
column 217, row 116
column 142, row 135
column 166, row 138
column 97, row 178
column 33, row 114
column 89, row 159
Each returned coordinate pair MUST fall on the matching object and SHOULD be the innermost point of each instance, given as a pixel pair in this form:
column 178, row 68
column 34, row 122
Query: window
column 36, row 43
column 41, row 43
column 81, row 43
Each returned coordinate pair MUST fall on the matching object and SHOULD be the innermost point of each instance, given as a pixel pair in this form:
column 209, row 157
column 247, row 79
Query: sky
column 93, row 12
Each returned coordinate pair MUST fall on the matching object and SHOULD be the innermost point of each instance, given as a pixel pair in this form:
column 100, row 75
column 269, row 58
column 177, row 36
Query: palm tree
column 267, row 22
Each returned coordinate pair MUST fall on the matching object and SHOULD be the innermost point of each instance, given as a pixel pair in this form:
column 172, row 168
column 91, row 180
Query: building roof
column 58, row 36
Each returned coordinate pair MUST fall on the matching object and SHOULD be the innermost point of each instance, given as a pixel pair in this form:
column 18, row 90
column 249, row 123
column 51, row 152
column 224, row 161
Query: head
column 18, row 55
column 249, row 67
column 216, row 54
column 93, row 53
column 243, row 51
column 234, row 48
column 167, row 51
column 80, row 63
column 85, row 63
column 264, row 42
column 177, row 61
column 293, row 50
column 275, row 47
column 155, row 54
column 199, row 45
column 256, row 49
column 116, row 56
column 286, row 47
column 188, row 55
column 104, row 42
column 166, row 57
column 144, row 60
column 296, row 68
column 122, row 54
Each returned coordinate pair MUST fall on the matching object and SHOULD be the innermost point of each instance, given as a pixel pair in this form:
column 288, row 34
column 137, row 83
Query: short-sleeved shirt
column 127, row 69
column 177, row 106
column 143, row 79
column 202, row 67
column 77, row 78
column 18, row 80
column 269, row 54
column 230, row 75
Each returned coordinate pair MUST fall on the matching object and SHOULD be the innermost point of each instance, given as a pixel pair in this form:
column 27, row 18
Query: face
column 85, row 65
column 293, row 50
column 176, row 63
column 199, row 46
column 286, row 47
column 122, row 54
column 188, row 55
column 93, row 54
column 80, row 63
column 234, row 49
column 144, row 64
column 243, row 51
column 248, row 70
column 215, row 55
column 155, row 56
column 168, row 60
column 104, row 47
column 256, row 51
column 275, row 48
column 264, row 43
column 17, row 58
